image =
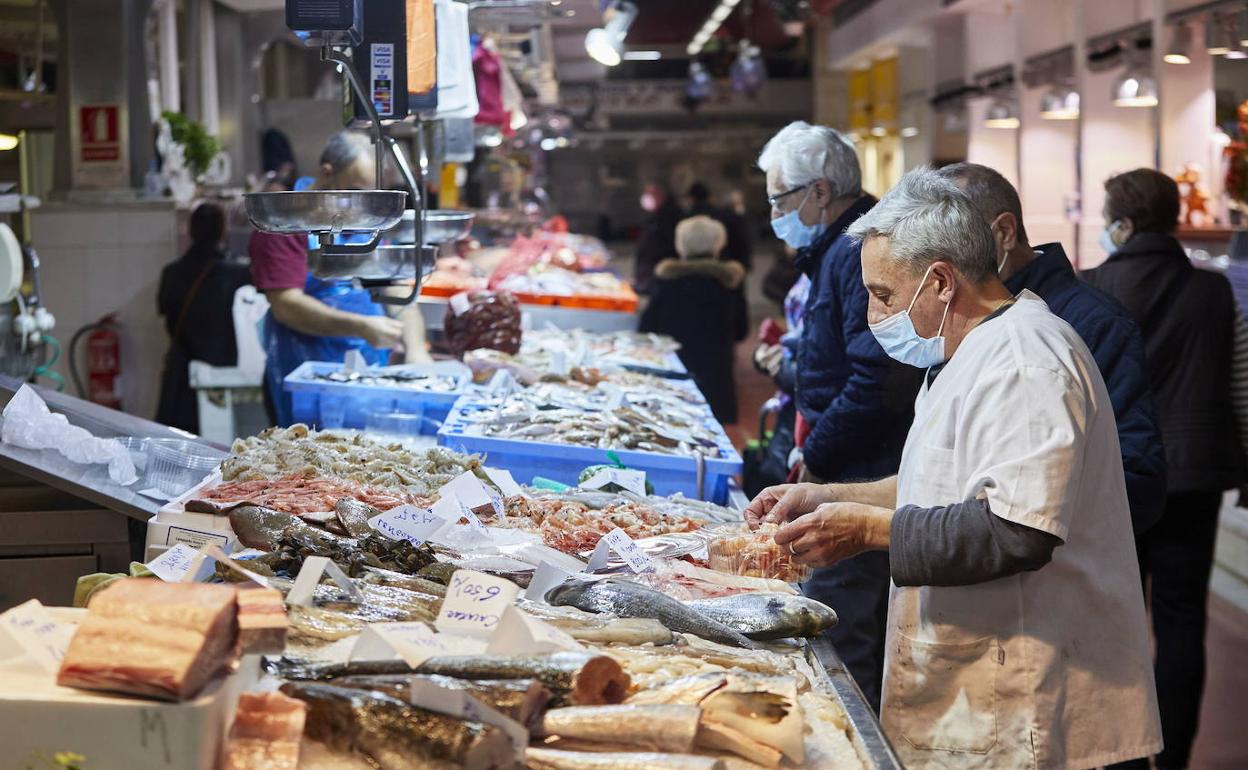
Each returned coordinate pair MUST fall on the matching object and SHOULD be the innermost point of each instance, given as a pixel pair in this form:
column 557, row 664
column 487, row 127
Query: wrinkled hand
column 382, row 332
column 835, row 531
column 768, row 358
column 785, row 502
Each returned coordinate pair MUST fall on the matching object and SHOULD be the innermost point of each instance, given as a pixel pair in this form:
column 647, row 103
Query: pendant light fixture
column 605, row 44
column 1136, row 86
column 1061, row 102
column 1002, row 113
column 1217, row 36
column 1180, row 48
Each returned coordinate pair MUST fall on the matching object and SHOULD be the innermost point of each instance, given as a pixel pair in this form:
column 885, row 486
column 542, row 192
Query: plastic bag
column 28, row 423
column 482, row 319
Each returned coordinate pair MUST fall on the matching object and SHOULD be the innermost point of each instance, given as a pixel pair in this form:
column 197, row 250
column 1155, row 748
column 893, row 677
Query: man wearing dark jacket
column 1103, row 324
column 658, row 234
column 855, row 404
column 738, row 247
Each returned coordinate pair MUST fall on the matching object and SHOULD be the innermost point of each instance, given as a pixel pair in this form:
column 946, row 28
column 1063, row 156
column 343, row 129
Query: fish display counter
column 381, row 606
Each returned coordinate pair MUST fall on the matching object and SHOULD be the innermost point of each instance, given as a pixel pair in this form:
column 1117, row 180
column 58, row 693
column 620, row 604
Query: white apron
column 1044, row 669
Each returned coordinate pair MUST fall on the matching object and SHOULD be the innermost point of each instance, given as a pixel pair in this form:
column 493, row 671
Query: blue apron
column 287, row 348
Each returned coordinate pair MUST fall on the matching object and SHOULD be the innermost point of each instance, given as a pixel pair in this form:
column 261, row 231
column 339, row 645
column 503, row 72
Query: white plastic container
column 175, row 465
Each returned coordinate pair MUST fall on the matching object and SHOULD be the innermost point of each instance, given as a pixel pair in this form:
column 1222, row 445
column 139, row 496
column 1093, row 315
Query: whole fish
column 524, row 700
column 768, row 616
column 659, row 727
column 634, row 600
column 573, row 678
column 554, row 759
column 394, row 735
column 259, row 527
column 354, row 516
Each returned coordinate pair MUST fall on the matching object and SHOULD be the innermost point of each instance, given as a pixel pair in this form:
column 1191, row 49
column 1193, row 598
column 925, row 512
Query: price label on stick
column 309, row 578
column 460, row 303
column 474, row 603
column 629, row 552
column 409, row 522
column 461, row 705
column 414, row 642
column 504, row 481
column 545, row 577
column 627, row 478
column 175, row 565
column 213, row 551
column 519, row 633
column 29, row 629
column 473, row 492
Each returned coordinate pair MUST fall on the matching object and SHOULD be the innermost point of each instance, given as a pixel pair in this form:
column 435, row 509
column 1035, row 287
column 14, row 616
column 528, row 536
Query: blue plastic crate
column 564, row 462
column 324, row 404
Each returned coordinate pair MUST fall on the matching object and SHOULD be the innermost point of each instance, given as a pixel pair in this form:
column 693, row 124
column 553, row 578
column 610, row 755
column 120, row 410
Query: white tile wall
column 102, row 260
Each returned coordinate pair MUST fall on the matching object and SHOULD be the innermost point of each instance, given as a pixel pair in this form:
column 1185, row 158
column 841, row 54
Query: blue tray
column 323, row 404
column 564, row 462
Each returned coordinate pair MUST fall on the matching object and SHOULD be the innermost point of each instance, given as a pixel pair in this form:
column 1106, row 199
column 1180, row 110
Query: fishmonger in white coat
column 1017, row 634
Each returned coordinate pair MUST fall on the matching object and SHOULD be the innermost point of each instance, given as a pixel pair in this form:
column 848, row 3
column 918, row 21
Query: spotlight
column 605, row 44
column 1060, row 103
column 1135, row 88
column 1180, row 48
column 1217, row 39
column 1002, row 113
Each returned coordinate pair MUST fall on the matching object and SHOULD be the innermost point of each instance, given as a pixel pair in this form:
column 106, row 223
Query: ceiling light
column 1241, row 27
column 548, row 144
column 720, row 13
column 7, row 142
column 1217, row 41
column 605, row 44
column 1060, row 103
column 1002, row 113
column 1237, row 51
column 879, row 131
column 909, row 132
column 1180, row 48
column 1135, row 88
column 642, row 56
column 693, row 48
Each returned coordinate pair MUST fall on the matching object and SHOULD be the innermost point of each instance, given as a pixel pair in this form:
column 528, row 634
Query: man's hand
column 835, row 531
column 768, row 358
column 785, row 502
column 381, row 332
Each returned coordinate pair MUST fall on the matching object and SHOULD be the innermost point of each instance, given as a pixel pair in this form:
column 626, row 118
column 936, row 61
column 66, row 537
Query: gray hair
column 700, row 236
column 926, row 218
column 801, row 154
column 344, row 149
column 991, row 193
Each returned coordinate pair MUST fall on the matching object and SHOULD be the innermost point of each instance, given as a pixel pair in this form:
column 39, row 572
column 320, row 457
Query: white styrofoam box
column 115, row 731
column 164, row 533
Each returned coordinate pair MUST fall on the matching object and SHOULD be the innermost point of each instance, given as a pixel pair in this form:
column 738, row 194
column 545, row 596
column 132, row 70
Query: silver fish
column 768, row 616
column 634, row 600
column 658, row 727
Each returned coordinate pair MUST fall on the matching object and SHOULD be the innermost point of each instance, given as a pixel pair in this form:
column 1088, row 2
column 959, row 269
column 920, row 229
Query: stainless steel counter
column 868, row 735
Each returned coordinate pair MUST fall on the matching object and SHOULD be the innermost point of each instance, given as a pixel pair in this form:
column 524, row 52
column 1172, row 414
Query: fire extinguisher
column 103, row 384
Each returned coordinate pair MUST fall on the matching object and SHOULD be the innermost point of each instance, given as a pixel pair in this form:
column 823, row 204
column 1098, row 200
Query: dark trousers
column 1176, row 557
column 857, row 589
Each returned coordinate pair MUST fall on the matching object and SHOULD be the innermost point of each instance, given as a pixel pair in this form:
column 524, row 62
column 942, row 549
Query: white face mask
column 896, row 334
column 1106, row 239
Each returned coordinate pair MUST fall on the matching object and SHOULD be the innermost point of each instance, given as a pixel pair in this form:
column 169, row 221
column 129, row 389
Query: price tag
column 617, row 399
column 633, row 481
column 460, row 303
column 519, row 633
column 472, row 492
column 501, row 384
column 174, row 565
column 629, row 552
column 474, row 603
column 309, row 578
column 409, row 522
column 504, row 481
column 414, row 642
column 545, row 577
column 450, row 508
column 459, row 704
column 30, row 630
column 353, row 361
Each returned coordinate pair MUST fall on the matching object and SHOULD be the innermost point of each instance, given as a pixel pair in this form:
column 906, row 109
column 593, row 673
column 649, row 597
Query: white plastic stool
column 217, row 387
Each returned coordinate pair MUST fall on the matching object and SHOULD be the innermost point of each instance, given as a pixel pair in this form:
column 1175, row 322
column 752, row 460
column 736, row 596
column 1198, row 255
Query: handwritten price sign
column 31, row 628
column 408, row 522
column 414, row 642
column 475, row 603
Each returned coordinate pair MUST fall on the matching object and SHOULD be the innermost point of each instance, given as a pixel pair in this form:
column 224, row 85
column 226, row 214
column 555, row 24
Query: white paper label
column 460, row 303
column 310, row 576
column 32, row 629
column 559, row 363
column 457, row 703
column 501, row 384
column 504, row 481
column 474, row 603
column 472, row 492
column 521, row 634
column 617, row 399
column 409, row 522
column 545, row 577
column 174, row 565
column 413, row 641
column 633, row 481
column 629, row 552
column 354, row 361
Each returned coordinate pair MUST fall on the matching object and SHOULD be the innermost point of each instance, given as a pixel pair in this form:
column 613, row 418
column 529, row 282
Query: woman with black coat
column 696, row 299
column 1188, row 318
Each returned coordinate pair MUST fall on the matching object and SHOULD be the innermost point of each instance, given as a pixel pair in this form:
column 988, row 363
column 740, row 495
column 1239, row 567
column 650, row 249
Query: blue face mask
column 790, row 228
column 901, row 342
column 1106, row 240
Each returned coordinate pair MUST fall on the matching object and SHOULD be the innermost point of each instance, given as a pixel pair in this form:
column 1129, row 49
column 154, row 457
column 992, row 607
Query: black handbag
column 765, row 461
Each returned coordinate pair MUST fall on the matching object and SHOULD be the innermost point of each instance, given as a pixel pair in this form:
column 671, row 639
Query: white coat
column 1043, row 669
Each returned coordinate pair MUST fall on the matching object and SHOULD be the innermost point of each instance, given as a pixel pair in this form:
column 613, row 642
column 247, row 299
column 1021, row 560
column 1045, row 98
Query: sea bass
column 768, row 616
column 394, row 735
column 634, row 600
column 553, row 759
column 524, row 700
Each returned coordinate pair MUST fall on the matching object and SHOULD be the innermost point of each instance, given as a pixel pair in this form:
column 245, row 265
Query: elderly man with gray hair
column 1016, row 626
column 854, row 403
